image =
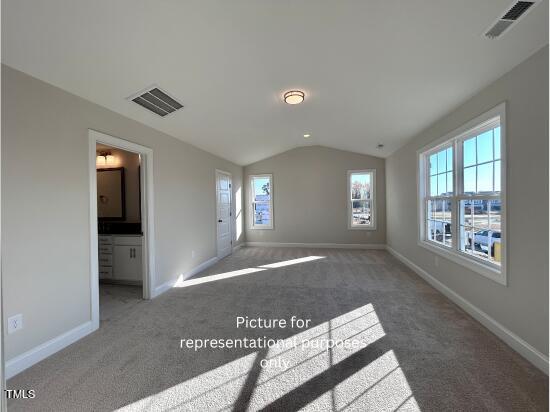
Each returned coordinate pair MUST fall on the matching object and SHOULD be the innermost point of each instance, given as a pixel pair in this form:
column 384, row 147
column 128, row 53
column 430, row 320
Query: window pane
column 431, row 230
column 481, row 214
column 466, row 236
column 450, row 158
column 470, row 152
column 262, row 214
column 495, row 247
column 449, row 182
column 442, row 161
column 495, row 215
column 470, row 180
column 497, row 142
column 442, row 184
column 439, row 214
column 433, row 186
column 360, row 185
column 262, row 189
column 480, row 224
column 467, row 212
column 497, row 176
column 485, row 178
column 361, row 213
column 433, row 164
column 485, row 147
column 430, row 214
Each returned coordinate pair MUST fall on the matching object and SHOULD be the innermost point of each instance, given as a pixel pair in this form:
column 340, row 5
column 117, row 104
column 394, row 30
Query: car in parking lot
column 483, row 238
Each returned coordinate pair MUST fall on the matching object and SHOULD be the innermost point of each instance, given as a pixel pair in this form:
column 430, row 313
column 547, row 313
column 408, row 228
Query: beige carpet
column 418, row 350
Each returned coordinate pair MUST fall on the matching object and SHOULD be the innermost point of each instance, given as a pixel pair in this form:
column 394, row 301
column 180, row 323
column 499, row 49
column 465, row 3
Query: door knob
column 219, row 220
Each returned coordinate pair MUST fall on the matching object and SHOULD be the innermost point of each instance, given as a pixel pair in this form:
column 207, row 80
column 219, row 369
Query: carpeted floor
column 416, row 351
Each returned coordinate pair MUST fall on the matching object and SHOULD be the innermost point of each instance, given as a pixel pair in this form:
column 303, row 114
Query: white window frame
column 455, row 139
column 372, row 225
column 251, row 178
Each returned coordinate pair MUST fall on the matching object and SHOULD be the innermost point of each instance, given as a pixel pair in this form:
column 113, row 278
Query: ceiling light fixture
column 307, row 135
column 105, row 158
column 294, row 97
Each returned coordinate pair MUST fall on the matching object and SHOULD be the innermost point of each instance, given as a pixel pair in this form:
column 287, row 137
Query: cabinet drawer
column 127, row 240
column 105, row 240
column 105, row 249
column 105, row 272
column 105, row 260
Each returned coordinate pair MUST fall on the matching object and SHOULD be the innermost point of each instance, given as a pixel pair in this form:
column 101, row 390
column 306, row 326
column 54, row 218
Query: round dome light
column 294, row 97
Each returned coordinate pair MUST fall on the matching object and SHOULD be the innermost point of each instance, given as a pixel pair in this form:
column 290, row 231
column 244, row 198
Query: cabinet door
column 127, row 263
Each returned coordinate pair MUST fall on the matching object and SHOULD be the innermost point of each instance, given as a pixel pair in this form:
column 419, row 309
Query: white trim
column 159, row 290
column 474, row 265
column 147, row 218
column 252, row 225
column 231, row 217
column 238, row 246
column 372, row 199
column 514, row 341
column 42, row 351
column 482, row 122
column 374, row 246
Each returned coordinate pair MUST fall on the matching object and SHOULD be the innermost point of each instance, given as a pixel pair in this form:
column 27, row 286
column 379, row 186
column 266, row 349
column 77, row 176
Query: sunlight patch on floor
column 212, row 390
column 301, row 358
column 182, row 283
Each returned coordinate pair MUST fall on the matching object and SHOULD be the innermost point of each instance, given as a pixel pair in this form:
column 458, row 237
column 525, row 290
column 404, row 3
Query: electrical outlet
column 15, row 323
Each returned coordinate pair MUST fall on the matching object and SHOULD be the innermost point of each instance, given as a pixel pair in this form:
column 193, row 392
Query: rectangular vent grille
column 498, row 28
column 517, row 10
column 510, row 17
column 157, row 101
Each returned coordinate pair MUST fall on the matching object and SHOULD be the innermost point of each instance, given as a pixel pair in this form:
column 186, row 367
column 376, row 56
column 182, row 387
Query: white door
column 223, row 213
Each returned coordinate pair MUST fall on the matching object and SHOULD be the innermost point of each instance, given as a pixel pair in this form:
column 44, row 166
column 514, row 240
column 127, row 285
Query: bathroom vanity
column 120, row 258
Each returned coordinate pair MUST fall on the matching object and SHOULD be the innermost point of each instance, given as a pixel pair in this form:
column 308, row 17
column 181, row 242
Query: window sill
column 261, row 228
column 373, row 227
column 494, row 274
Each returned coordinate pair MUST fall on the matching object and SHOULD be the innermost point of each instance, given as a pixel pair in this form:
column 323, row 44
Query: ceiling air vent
column 156, row 101
column 513, row 14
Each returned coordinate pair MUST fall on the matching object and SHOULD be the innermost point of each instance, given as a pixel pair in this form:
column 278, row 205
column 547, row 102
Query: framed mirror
column 111, row 202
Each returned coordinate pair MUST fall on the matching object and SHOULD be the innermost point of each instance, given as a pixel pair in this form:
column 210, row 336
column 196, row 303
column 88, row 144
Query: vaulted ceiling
column 376, row 71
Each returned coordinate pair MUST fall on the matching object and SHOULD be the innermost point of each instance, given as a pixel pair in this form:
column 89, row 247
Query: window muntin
column 462, row 212
column 361, row 207
column 262, row 201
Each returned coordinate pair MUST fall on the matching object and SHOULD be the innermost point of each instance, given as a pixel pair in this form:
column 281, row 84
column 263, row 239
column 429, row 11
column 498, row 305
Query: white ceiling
column 376, row 71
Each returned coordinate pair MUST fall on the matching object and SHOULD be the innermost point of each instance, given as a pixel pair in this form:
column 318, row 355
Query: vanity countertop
column 121, row 234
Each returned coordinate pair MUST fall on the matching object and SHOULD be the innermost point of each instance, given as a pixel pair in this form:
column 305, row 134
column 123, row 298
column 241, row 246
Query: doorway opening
column 121, row 225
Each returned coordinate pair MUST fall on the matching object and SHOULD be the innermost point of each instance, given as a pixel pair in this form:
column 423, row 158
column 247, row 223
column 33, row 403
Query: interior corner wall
column 45, row 205
column 522, row 306
column 310, row 197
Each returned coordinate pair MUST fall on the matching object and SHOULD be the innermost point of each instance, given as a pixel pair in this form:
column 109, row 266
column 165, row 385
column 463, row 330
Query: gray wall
column 310, row 197
column 45, row 204
column 521, row 307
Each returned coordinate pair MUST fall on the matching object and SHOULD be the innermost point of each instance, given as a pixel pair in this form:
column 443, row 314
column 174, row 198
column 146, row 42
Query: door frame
column 231, row 228
column 147, row 215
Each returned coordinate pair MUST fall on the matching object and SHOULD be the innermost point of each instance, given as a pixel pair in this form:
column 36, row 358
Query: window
column 261, row 187
column 462, row 195
column 361, row 199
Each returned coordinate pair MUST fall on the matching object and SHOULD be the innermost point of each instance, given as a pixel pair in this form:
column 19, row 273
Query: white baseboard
column 35, row 355
column 320, row 245
column 159, row 290
column 514, row 341
column 237, row 247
